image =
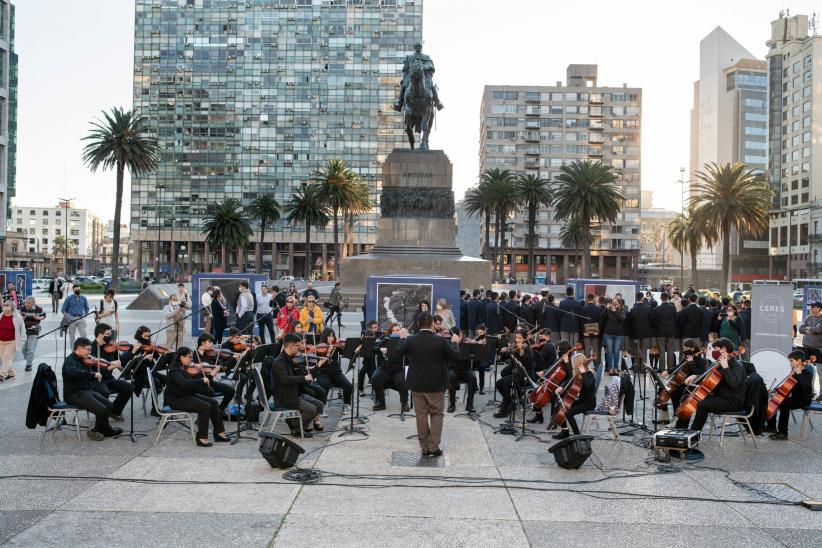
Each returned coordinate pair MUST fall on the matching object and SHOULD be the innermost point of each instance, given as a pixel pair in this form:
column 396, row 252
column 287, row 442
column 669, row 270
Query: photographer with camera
column 32, row 316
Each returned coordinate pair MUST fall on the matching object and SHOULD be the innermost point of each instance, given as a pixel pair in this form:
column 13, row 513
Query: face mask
column 716, row 353
column 77, row 292
column 107, row 339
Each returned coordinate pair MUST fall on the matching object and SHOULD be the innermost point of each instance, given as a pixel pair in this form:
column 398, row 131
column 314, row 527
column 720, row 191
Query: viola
column 550, row 382
column 119, row 346
column 712, row 378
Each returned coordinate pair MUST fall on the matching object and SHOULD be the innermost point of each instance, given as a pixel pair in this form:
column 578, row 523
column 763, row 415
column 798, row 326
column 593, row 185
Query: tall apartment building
column 468, row 231
column 8, row 112
column 795, row 172
column 729, row 125
column 251, row 97
column 538, row 129
column 43, row 224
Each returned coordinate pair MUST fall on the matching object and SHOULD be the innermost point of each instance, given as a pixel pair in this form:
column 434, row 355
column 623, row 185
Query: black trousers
column 115, row 386
column 455, row 377
column 576, row 409
column 481, row 369
column 98, row 404
column 336, row 378
column 676, row 397
column 266, row 321
column 383, row 379
column 316, row 392
column 225, row 389
column 332, row 312
column 244, row 321
column 206, row 409
column 711, row 404
column 785, row 413
column 504, row 385
column 310, row 408
column 369, row 366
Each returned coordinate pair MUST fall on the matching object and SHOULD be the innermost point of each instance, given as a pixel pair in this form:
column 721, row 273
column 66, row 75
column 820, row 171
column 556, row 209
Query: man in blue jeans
column 75, row 307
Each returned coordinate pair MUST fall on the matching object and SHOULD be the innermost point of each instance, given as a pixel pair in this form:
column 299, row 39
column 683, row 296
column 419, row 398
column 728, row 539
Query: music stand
column 243, row 363
column 351, row 350
column 129, row 371
column 472, row 352
column 391, row 352
column 262, row 352
column 660, row 385
column 492, row 345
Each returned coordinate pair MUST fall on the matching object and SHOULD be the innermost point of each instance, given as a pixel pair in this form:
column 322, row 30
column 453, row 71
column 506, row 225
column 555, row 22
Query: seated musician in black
column 562, row 351
column 109, row 385
column 312, row 389
column 369, row 364
column 459, row 371
column 79, row 383
column 548, row 353
column 800, row 396
column 587, row 399
column 481, row 368
column 204, row 353
column 329, row 373
column 390, row 371
column 141, row 351
column 729, row 394
column 510, row 376
column 694, row 366
column 288, row 378
column 189, row 390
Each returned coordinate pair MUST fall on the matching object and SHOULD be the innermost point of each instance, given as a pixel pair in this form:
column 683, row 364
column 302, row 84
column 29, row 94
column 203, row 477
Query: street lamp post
column 682, row 183
column 66, row 202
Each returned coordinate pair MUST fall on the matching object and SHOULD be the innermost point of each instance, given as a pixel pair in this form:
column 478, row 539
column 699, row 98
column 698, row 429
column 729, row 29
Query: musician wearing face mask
column 459, row 371
column 109, row 385
column 562, row 354
column 288, row 378
column 587, row 399
column 203, row 354
column 693, row 366
column 509, row 376
column 728, row 395
column 79, row 382
column 390, row 372
column 799, row 396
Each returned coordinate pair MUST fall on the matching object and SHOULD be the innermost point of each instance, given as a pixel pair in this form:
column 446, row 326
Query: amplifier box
column 676, row 438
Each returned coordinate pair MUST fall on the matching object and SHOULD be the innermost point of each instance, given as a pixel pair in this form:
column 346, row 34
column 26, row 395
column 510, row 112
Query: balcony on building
column 595, row 112
column 532, row 151
column 596, row 138
column 596, row 99
column 595, row 152
column 531, row 124
column 531, row 164
column 596, row 125
column 532, row 97
column 532, row 136
column 532, row 111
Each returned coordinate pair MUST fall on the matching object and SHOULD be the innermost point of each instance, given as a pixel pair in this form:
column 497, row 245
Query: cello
column 712, row 378
column 570, row 395
column 784, row 389
column 552, row 379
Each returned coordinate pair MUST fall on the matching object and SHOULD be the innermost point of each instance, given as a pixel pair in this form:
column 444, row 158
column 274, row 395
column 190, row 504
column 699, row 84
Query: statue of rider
column 428, row 69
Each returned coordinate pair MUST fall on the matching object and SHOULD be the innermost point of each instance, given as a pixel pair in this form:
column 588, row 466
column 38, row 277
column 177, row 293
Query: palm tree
column 228, row 227
column 337, row 187
column 533, row 192
column 585, row 190
column 60, row 247
column 307, row 207
column 477, row 202
column 501, row 189
column 686, row 234
column 360, row 203
column 265, row 209
column 121, row 142
column 730, row 197
column 571, row 237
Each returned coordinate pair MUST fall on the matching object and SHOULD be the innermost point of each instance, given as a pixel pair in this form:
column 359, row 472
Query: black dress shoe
column 218, row 439
column 536, row 419
column 435, row 454
column 482, row 392
column 113, row 432
column 562, row 435
column 318, row 427
column 501, row 414
column 470, row 410
column 379, row 407
column 406, row 409
column 451, row 408
column 206, row 444
column 779, row 436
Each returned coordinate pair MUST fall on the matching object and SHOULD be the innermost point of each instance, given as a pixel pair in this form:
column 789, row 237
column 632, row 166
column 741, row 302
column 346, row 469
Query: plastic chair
column 270, row 409
column 167, row 414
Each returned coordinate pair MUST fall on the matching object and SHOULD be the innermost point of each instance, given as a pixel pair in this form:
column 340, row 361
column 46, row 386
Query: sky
column 76, row 59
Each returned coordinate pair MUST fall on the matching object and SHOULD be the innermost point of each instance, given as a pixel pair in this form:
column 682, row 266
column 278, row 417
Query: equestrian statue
column 418, row 96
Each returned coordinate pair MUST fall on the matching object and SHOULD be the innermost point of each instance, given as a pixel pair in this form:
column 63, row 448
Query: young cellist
column 799, row 396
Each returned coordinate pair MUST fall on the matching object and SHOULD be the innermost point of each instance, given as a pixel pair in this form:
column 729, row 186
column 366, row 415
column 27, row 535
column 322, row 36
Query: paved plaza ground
column 491, row 491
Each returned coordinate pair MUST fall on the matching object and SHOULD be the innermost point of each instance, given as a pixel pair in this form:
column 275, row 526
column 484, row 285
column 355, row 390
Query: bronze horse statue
column 419, row 106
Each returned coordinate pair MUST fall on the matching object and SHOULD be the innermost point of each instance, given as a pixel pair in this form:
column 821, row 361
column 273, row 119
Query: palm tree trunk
column 694, row 275
column 224, row 258
column 258, row 260
column 532, row 221
column 586, row 249
column 726, row 255
column 307, row 251
column 502, row 250
column 487, row 246
column 118, row 206
column 336, row 243
column 345, row 237
column 495, row 255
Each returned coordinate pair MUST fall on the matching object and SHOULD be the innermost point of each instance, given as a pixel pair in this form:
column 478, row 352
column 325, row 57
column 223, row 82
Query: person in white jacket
column 12, row 339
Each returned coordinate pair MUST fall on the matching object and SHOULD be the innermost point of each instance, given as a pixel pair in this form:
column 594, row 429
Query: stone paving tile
column 780, row 517
column 187, row 528
column 576, row 533
column 798, row 538
column 39, row 494
column 379, row 530
column 14, row 521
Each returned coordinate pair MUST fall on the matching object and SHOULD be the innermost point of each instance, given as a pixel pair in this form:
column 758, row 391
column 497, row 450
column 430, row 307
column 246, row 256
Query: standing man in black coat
column 464, row 296
column 639, row 327
column 690, row 319
column 427, row 378
column 492, row 318
column 569, row 320
column 707, row 319
column 664, row 318
column 591, row 344
column 475, row 311
column 509, row 310
column 550, row 314
column 745, row 316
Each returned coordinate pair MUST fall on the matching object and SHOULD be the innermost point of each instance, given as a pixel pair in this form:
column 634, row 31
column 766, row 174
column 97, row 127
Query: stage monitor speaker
column 572, row 452
column 279, row 451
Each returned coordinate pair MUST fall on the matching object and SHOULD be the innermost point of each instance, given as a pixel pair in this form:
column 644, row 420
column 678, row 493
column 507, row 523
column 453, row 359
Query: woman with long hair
column 329, row 372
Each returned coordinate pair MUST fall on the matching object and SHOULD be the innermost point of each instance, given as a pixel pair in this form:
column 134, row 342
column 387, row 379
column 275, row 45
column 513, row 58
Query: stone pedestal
column 416, row 234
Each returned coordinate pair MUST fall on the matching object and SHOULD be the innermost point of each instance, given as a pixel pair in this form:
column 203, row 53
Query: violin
column 321, row 349
column 99, row 363
column 119, row 346
column 550, row 381
column 222, row 353
column 151, row 348
column 711, row 379
column 783, row 390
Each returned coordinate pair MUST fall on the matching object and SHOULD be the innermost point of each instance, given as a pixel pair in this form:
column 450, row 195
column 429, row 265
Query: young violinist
column 289, row 377
column 312, row 390
column 189, row 389
column 547, row 351
column 369, row 364
column 111, row 362
column 79, row 381
column 694, row 365
column 459, row 371
column 562, row 353
column 481, row 367
column 800, row 396
column 729, row 394
column 329, row 372
column 391, row 371
column 587, row 399
column 205, row 354
column 509, row 375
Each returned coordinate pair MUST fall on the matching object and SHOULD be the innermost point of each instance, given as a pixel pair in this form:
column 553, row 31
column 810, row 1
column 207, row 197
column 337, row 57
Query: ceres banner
column 771, row 330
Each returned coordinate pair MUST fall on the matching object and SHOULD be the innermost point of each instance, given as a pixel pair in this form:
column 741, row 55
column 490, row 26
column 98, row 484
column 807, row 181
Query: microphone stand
column 65, row 326
column 129, row 370
column 352, row 365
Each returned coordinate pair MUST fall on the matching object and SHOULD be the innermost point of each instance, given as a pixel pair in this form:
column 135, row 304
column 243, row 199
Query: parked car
column 39, row 283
